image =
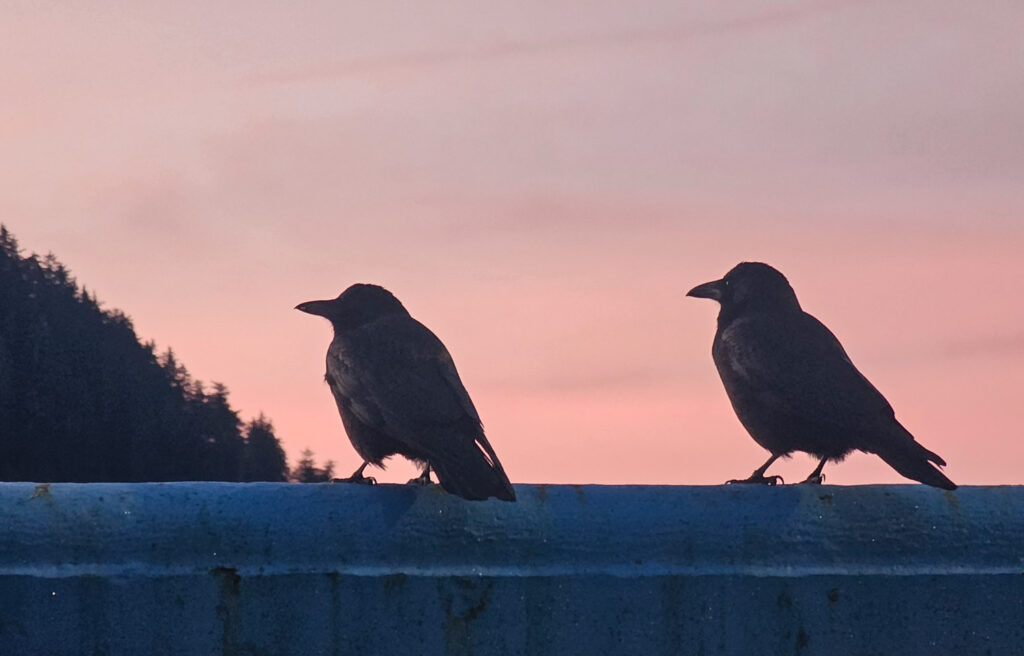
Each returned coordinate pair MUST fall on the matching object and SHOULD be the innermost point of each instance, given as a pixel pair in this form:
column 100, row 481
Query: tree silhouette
column 306, row 470
column 264, row 457
column 81, row 399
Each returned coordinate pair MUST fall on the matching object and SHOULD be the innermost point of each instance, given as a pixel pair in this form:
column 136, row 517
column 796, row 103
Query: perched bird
column 794, row 388
column 398, row 392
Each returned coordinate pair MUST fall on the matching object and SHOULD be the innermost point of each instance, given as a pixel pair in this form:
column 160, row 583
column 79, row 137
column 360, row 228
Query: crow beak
column 319, row 308
column 712, row 290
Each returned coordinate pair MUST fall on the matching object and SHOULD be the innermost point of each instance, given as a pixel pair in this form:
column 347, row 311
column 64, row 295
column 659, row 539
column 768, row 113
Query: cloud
column 987, row 346
column 441, row 57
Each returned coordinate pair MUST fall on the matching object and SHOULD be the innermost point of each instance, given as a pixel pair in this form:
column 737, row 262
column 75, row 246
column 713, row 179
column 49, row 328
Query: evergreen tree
column 264, row 457
column 81, row 399
column 306, row 470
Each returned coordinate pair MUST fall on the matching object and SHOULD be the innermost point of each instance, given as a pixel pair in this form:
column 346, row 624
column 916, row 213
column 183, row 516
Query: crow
column 398, row 392
column 794, row 388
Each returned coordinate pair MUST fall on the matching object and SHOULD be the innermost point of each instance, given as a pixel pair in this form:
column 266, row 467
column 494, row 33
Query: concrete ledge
column 204, row 568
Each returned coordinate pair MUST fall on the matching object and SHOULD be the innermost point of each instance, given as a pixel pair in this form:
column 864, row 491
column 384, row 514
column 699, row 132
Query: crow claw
column 359, row 480
column 420, row 480
column 757, row 480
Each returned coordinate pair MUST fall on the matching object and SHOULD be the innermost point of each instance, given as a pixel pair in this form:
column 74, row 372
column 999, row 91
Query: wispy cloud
column 987, row 346
column 585, row 381
column 441, row 57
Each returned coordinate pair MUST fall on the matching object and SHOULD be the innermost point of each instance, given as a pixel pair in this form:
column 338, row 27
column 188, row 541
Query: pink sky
column 540, row 183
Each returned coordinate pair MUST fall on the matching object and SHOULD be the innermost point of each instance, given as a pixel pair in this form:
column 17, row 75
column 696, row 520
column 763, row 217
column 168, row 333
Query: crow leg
column 422, row 479
column 357, row 477
column 758, row 476
column 816, row 476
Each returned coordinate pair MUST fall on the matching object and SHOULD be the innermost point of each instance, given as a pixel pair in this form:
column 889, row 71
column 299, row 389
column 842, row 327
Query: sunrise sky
column 540, row 182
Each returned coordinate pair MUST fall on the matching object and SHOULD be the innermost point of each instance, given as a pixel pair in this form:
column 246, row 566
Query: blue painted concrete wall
column 208, row 568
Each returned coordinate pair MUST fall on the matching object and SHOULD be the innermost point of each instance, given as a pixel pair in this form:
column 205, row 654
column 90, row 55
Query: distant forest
column 81, row 399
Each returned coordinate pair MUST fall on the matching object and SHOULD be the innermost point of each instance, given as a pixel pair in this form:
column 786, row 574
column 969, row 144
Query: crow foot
column 359, row 480
column 422, row 479
column 816, row 477
column 357, row 477
column 757, row 479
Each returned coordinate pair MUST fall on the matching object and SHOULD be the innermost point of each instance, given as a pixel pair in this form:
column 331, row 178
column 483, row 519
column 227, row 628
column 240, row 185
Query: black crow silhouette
column 398, row 392
column 794, row 388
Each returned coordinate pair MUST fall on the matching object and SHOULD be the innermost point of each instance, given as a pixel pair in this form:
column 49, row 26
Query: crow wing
column 794, row 364
column 400, row 379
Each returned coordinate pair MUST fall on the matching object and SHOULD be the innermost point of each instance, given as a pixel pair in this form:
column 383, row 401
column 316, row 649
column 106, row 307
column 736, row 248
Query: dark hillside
column 82, row 399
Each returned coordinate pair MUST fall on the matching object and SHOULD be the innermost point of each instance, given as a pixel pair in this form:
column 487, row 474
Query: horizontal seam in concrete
column 59, row 572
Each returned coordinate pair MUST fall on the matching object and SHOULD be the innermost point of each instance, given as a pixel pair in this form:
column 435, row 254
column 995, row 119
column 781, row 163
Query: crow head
column 749, row 286
column 357, row 305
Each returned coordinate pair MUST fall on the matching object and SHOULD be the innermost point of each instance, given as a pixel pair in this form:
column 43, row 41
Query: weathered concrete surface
column 208, row 568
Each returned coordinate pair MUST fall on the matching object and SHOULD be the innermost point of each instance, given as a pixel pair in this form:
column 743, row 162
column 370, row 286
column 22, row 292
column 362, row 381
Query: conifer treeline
column 81, row 399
